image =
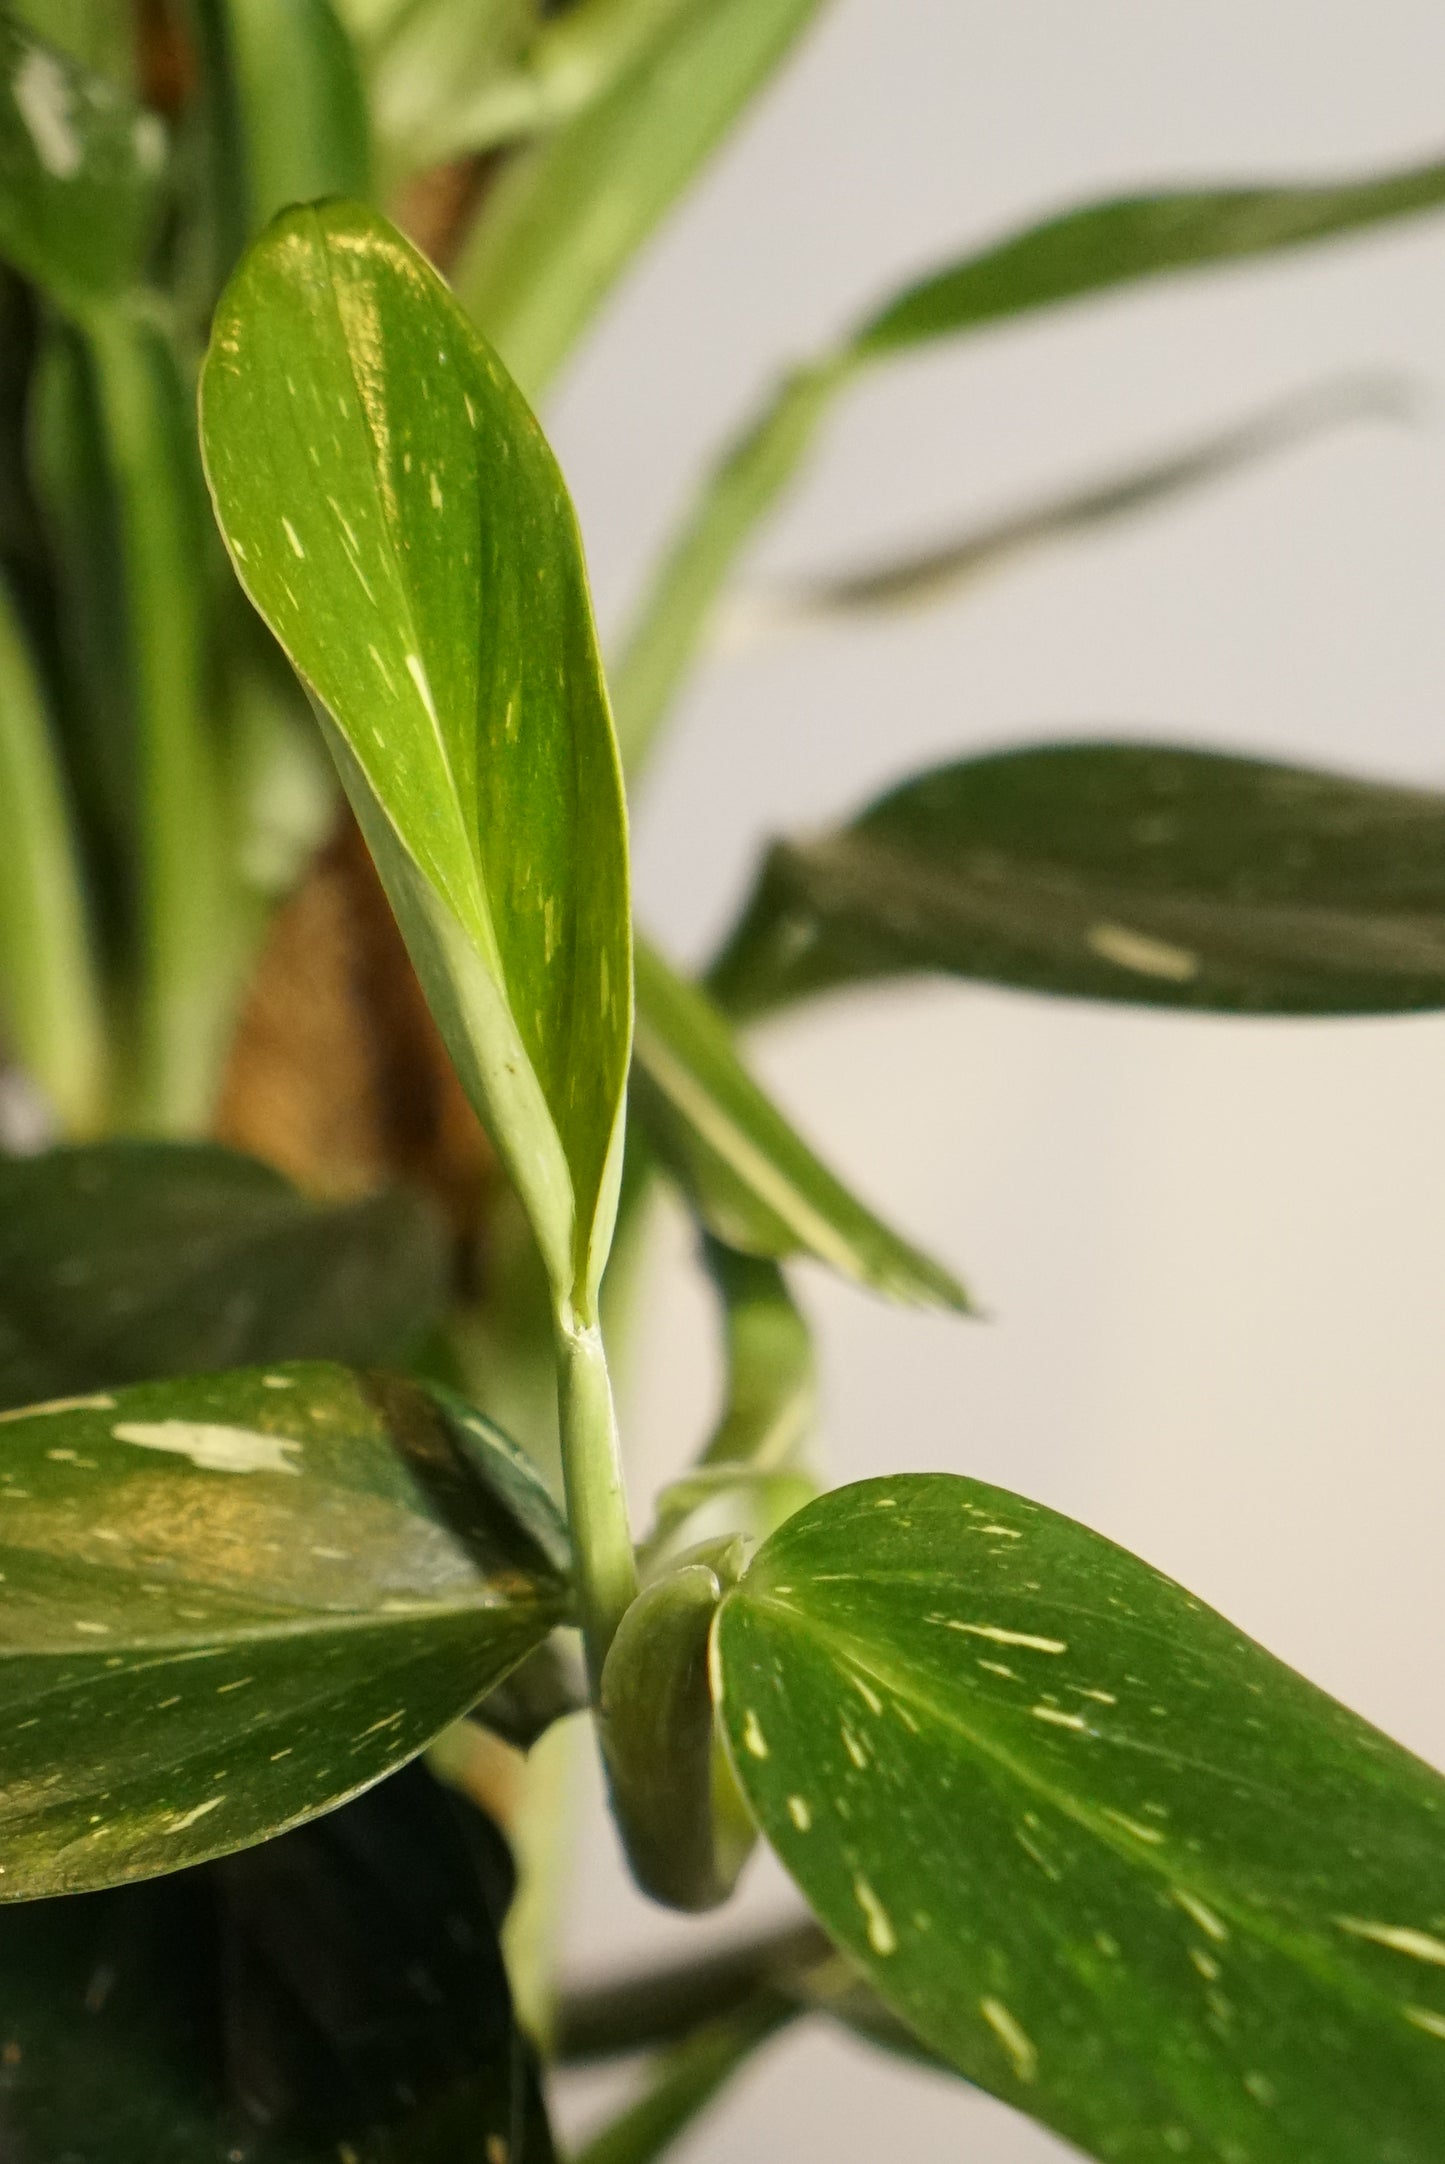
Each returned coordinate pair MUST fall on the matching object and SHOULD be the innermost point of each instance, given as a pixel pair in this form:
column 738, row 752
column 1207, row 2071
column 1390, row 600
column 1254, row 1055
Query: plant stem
column 686, row 2080
column 734, row 500
column 663, row 2005
column 48, row 988
column 606, row 1569
column 188, row 957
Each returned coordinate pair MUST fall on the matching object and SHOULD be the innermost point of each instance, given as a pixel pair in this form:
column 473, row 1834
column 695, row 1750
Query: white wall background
column 1213, row 1251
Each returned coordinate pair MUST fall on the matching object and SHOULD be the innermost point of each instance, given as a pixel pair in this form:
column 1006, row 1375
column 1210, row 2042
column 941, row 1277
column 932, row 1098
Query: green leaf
column 49, row 993
column 1130, row 238
column 750, row 1175
column 685, row 2081
column 133, row 1261
column 1084, row 251
column 771, row 1373
column 1132, row 872
column 685, row 1845
column 938, row 571
column 80, row 166
column 232, row 1602
column 338, row 1991
column 566, row 218
column 286, row 117
column 748, row 1478
column 1111, row 1859
column 395, row 515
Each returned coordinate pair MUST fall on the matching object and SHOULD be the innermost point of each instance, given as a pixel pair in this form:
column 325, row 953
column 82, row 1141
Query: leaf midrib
column 1312, row 1956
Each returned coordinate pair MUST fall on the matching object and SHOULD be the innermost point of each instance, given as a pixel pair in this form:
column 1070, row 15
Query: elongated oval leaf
column 1130, row 872
column 130, row 1261
column 397, row 518
column 1129, row 238
column 232, row 1602
column 1107, row 1856
column 79, row 171
column 753, row 1179
column 338, row 1991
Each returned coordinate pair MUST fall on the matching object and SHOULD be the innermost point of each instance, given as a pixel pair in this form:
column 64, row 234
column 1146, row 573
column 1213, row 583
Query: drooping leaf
column 131, row 1261
column 750, row 1175
column 80, row 166
column 50, row 1014
column 232, row 1602
column 1106, row 1855
column 337, row 1991
column 1084, row 251
column 748, row 1478
column 1102, row 245
column 685, row 1845
column 568, row 216
column 771, row 1372
column 397, row 518
column 1130, row 872
column 931, row 574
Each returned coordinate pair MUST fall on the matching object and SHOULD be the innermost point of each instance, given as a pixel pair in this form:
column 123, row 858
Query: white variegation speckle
column 881, row 1935
column 1146, row 956
column 1400, row 1938
column 42, row 97
column 213, row 1449
column 1016, row 2043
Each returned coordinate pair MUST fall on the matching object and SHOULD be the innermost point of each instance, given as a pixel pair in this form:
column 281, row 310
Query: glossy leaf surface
column 1129, row 872
column 1106, row 1855
column 230, row 1603
column 79, row 168
column 753, row 1179
column 1130, row 238
column 567, row 217
column 396, row 516
column 131, row 1261
column 337, row 1991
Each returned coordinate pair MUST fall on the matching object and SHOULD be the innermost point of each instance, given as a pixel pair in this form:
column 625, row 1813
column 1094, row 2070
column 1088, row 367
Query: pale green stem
column 49, row 998
column 605, row 1567
column 673, row 622
column 188, row 951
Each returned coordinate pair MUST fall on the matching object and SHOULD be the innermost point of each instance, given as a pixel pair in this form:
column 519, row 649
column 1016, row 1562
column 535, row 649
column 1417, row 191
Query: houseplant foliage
column 1063, row 1829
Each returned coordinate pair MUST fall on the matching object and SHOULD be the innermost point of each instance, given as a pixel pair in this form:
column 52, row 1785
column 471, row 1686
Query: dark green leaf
column 1135, row 237
column 394, row 513
column 338, row 1991
column 1107, row 1856
column 751, row 1176
column 230, row 1603
column 1132, row 872
column 79, row 171
column 131, row 1261
column 568, row 216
